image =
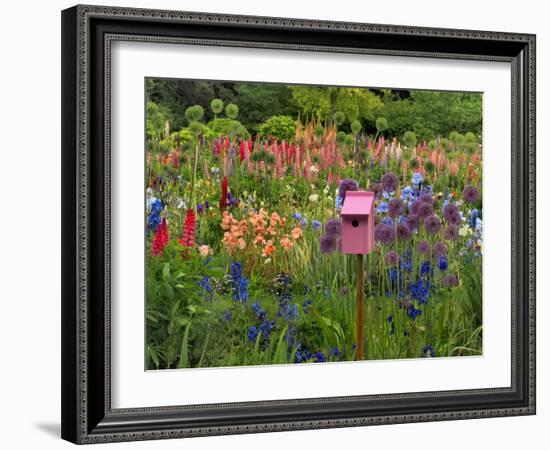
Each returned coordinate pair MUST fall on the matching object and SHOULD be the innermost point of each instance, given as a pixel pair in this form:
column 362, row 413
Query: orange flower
column 296, row 233
column 286, row 242
column 269, row 249
column 241, row 244
column 259, row 240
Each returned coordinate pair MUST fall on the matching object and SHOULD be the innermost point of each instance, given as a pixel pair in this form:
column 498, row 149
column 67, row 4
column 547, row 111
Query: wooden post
column 359, row 315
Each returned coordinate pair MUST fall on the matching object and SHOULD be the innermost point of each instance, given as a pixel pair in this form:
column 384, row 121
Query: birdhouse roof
column 358, row 203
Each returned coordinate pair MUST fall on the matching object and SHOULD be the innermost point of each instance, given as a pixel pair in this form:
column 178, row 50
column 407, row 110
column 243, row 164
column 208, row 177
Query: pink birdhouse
column 358, row 222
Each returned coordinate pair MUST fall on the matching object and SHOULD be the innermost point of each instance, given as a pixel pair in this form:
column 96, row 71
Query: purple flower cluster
column 333, row 231
column 347, row 185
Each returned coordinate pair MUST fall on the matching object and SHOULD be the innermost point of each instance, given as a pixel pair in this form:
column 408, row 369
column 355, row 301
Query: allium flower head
column 451, row 233
column 347, row 185
column 412, row 221
column 424, row 210
column 426, row 198
column 327, row 243
column 432, row 224
column 403, row 232
column 449, row 210
column 450, row 280
column 440, row 248
column 389, row 182
column 392, row 258
column 470, row 194
column 423, row 247
column 395, row 207
column 333, row 228
column 383, row 233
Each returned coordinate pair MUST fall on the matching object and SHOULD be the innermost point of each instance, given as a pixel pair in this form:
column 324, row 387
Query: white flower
column 181, row 204
column 313, row 198
column 464, row 231
column 314, row 169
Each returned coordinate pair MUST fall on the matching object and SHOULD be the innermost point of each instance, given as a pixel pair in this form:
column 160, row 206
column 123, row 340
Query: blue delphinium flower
column 413, row 312
column 382, row 207
column 315, row 224
column 205, row 284
column 239, row 283
column 305, row 306
column 426, row 268
column 303, row 222
column 228, row 315
column 443, row 263
column 297, row 216
column 302, row 354
column 259, row 311
column 154, row 216
column 252, row 333
column 417, row 178
column 428, row 351
column 392, row 325
column 407, row 193
column 473, row 218
column 339, row 202
column 335, row 352
column 291, row 312
column 420, row 290
column 319, row 357
column 387, row 220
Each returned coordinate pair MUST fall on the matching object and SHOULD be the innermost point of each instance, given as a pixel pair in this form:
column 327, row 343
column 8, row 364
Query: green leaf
column 184, row 355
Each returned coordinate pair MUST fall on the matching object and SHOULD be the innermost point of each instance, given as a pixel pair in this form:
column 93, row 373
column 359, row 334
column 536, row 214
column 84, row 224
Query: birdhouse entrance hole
column 354, row 223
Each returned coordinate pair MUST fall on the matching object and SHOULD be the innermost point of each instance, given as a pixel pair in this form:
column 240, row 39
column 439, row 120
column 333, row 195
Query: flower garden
column 243, row 230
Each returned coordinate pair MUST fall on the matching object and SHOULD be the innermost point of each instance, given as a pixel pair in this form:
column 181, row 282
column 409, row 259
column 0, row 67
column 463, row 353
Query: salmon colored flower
column 296, row 233
column 286, row 242
column 269, row 249
column 241, row 244
column 205, row 250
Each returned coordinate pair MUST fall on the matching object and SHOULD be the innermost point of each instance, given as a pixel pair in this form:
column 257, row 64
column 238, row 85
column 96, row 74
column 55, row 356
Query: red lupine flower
column 242, row 151
column 161, row 239
column 188, row 234
column 223, row 200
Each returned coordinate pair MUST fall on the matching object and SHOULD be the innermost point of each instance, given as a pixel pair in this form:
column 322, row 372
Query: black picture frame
column 87, row 32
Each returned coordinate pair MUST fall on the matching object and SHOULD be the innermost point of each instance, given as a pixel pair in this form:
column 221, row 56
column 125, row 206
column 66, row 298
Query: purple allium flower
column 376, row 188
column 425, row 209
column 440, row 248
column 347, row 185
column 449, row 212
column 333, row 228
column 327, row 243
column 426, row 198
column 450, row 280
column 451, row 233
column 383, row 233
column 392, row 258
column 423, row 247
column 395, row 207
column 470, row 194
column 403, row 232
column 389, row 182
column 432, row 224
column 412, row 221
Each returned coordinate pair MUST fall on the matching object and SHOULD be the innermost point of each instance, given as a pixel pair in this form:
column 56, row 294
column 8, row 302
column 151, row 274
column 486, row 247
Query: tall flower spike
column 188, row 234
column 161, row 239
column 223, row 199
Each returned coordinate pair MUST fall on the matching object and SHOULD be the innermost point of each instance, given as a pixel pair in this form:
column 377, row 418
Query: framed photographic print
column 280, row 224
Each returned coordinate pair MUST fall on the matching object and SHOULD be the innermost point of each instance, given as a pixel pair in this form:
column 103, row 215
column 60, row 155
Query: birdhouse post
column 358, row 238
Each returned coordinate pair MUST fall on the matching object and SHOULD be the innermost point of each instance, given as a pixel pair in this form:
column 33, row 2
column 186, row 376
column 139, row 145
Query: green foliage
column 409, row 138
column 228, row 127
column 381, row 124
column 280, row 127
column 216, row 105
column 232, row 111
column 194, row 113
column 156, row 116
column 195, row 128
column 339, row 118
column 356, row 127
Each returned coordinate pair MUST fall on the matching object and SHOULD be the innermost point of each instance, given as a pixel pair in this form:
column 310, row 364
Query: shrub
column 280, row 127
column 223, row 126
